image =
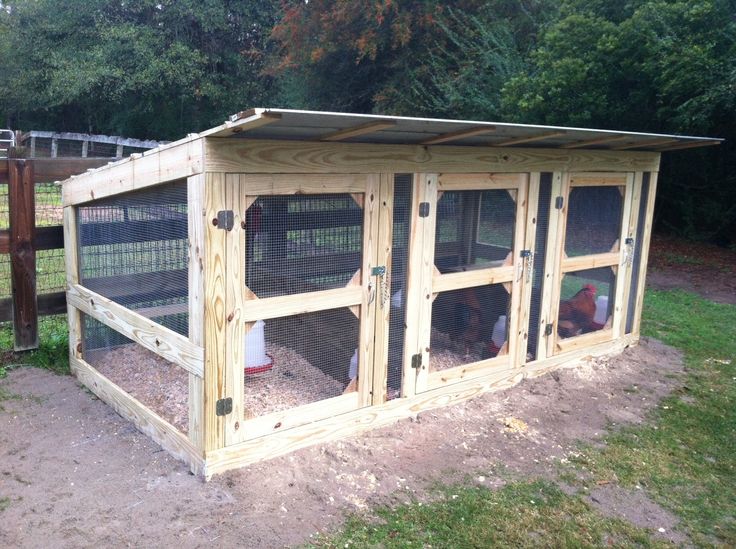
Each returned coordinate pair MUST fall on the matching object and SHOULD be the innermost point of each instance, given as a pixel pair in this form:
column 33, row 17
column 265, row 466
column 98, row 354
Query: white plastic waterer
column 601, row 311
column 498, row 338
column 256, row 359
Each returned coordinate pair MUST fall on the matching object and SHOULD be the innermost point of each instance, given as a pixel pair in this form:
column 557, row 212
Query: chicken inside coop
column 583, row 313
column 470, row 322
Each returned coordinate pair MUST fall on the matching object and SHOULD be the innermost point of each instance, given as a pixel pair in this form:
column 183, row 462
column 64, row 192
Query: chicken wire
column 312, row 357
column 134, row 251
column 594, row 217
column 302, row 243
column 474, row 228
column 586, row 301
column 157, row 383
column 540, row 253
column 638, row 244
column 49, row 210
column 398, row 273
column 468, row 325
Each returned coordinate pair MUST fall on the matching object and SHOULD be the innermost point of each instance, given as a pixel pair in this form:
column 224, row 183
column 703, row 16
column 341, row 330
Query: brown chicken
column 576, row 314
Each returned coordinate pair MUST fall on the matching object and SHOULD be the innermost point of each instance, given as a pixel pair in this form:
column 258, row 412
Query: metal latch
column 423, row 209
column 559, row 201
column 629, row 252
column 548, row 329
column 380, row 270
column 528, row 257
column 416, row 361
column 225, row 220
column 224, row 406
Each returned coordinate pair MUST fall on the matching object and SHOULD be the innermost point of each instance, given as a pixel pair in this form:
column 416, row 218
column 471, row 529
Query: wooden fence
column 22, row 239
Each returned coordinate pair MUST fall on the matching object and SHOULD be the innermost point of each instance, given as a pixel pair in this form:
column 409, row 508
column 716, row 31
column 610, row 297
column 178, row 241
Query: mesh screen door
column 590, row 279
column 302, row 278
column 476, row 236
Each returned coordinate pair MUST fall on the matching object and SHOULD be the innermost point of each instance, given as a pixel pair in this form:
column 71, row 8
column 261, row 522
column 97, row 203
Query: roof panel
column 286, row 124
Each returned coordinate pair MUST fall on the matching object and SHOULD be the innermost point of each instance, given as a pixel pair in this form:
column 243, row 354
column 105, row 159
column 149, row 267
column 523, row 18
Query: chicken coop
column 292, row 277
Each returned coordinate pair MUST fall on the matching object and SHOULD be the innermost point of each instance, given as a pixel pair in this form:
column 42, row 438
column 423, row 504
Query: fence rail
column 21, row 239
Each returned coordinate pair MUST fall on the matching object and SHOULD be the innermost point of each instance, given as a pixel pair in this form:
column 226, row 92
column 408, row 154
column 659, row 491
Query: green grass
column 4, row 504
column 684, row 459
column 53, row 351
column 522, row 514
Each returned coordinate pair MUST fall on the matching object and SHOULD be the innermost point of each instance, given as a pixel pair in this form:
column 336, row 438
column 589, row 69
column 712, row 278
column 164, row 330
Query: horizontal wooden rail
column 154, row 337
column 56, row 169
column 275, row 307
column 45, row 238
column 48, row 304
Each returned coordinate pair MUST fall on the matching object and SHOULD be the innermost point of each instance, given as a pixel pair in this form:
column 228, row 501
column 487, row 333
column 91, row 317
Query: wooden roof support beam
column 355, row 131
column 460, row 134
column 250, row 120
column 594, row 141
column 529, row 139
column 641, row 144
column 692, row 144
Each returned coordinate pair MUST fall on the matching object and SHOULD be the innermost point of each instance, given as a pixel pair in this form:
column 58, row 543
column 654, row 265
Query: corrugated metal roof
column 286, row 124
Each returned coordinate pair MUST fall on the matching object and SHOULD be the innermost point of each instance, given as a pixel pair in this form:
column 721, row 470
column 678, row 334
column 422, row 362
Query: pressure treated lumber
column 264, row 156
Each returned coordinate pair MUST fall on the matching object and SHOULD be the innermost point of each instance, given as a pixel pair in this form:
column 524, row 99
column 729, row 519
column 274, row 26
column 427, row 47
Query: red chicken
column 576, row 314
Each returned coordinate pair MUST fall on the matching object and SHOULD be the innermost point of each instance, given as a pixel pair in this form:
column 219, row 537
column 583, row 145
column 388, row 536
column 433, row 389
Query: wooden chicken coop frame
column 265, row 163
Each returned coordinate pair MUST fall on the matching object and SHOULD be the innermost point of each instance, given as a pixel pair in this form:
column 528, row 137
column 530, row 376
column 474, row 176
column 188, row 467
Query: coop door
column 472, row 243
column 593, row 249
column 306, row 289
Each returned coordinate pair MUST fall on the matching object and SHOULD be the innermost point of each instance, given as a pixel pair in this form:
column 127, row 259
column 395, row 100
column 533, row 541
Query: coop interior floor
column 163, row 387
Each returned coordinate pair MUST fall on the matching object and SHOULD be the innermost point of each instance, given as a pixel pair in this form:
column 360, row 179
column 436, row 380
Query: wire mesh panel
column 299, row 359
column 593, row 220
column 399, row 262
column 468, row 325
column 49, row 211
column 302, row 243
column 586, row 301
column 474, row 228
column 160, row 385
column 540, row 253
column 134, row 251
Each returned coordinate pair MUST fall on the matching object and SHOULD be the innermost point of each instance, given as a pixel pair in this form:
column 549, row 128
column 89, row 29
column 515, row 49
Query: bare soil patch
column 76, row 474
column 704, row 269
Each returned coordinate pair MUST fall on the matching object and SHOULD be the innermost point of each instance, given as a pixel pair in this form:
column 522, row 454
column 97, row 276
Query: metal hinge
column 379, row 270
column 559, row 201
column 416, row 361
column 224, row 406
column 527, row 257
column 423, row 209
column 225, row 220
column 548, row 329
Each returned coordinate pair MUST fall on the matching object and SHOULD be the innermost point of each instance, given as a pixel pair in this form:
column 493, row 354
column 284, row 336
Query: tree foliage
column 163, row 68
column 148, row 68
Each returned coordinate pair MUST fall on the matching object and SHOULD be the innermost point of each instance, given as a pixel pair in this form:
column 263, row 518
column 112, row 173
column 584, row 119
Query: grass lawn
column 685, row 460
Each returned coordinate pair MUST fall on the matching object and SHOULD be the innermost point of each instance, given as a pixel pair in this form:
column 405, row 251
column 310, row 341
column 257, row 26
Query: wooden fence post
column 22, row 206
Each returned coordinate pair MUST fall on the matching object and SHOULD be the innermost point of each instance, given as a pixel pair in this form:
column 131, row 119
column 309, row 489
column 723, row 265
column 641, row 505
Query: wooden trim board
column 154, row 337
column 270, row 156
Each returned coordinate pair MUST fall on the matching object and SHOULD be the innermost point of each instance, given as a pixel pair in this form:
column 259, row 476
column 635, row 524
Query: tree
column 148, row 69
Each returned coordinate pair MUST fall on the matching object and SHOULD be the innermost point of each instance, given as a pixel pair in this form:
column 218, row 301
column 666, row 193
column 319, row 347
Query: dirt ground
column 76, row 474
column 73, row 473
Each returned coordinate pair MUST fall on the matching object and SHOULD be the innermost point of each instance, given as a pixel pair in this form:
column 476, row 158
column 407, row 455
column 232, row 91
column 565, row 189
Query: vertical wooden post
column 119, row 151
column 21, row 203
column 85, row 149
column 71, row 258
column 54, row 147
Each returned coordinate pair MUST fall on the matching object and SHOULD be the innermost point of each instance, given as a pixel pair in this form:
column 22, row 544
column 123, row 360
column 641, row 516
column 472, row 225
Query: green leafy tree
column 149, row 69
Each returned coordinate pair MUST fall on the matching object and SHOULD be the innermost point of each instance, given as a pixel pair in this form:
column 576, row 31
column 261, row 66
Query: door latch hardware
column 416, row 361
column 559, row 201
column 380, row 270
column 629, row 252
column 548, row 330
column 528, row 257
column 225, row 220
column 424, row 209
column 224, row 406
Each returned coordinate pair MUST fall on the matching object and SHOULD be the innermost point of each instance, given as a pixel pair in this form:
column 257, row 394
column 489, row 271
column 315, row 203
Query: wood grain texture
column 195, row 302
column 145, row 420
column 275, row 307
column 480, row 181
column 71, row 262
column 264, row 156
column 22, row 216
column 154, row 337
column 177, row 161
column 525, row 299
column 593, row 261
column 215, row 312
column 302, row 183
